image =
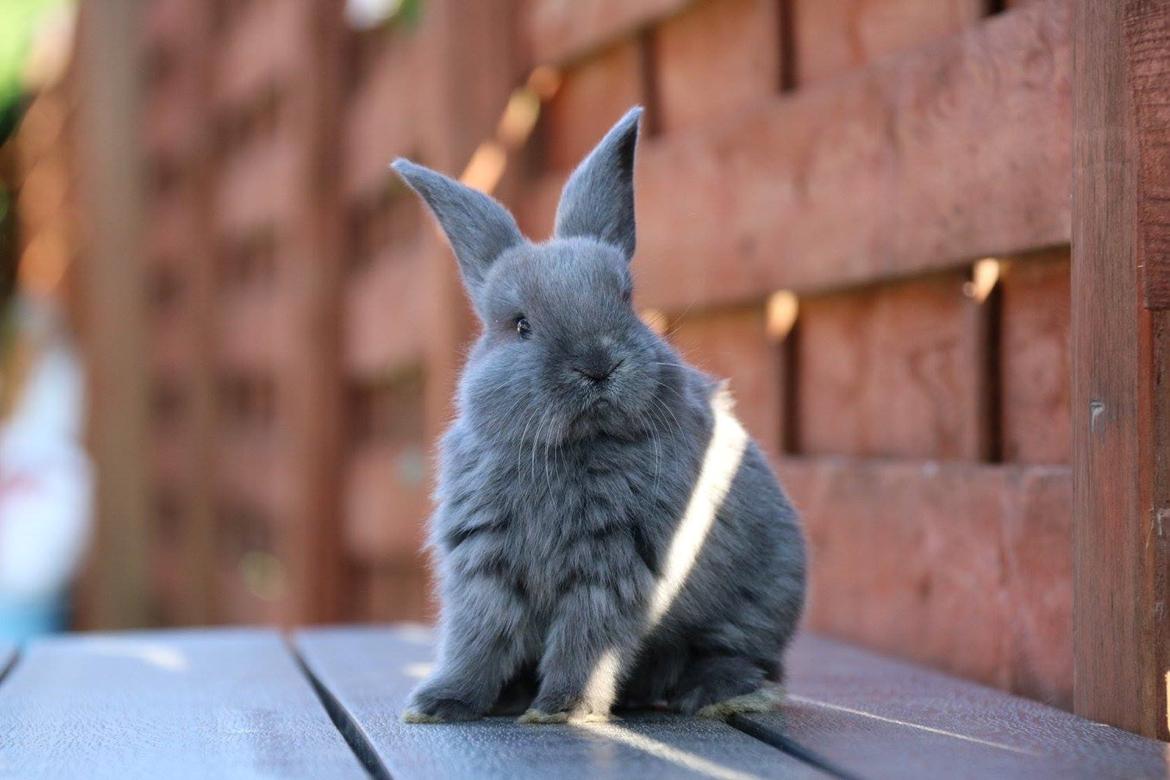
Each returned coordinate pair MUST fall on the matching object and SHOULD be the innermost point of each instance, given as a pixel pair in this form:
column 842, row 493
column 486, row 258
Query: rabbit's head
column 562, row 354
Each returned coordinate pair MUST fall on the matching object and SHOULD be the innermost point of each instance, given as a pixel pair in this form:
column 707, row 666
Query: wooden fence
column 858, row 210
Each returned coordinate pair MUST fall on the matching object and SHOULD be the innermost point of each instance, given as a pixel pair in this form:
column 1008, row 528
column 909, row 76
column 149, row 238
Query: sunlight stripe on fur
column 720, row 463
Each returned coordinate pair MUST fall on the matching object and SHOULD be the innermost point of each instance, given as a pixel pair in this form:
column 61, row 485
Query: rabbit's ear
column 477, row 226
column 598, row 200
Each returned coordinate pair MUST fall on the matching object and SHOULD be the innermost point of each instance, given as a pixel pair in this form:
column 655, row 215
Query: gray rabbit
column 607, row 535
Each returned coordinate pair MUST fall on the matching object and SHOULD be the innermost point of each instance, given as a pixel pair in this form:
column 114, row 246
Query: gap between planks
column 363, row 748
column 350, row 730
column 786, row 744
column 10, row 663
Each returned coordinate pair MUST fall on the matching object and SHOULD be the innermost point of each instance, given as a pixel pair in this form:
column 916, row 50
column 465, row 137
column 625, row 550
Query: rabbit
column 606, row 534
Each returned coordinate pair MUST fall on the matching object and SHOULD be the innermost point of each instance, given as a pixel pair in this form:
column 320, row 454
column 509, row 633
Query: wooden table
column 325, row 703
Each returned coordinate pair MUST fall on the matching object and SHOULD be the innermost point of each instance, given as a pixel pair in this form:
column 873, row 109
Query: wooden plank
column 1034, row 358
column 1121, row 361
column 734, row 344
column 593, row 95
column 894, row 370
column 922, row 161
column 557, row 32
column 382, row 117
column 191, row 602
column 115, row 325
column 256, row 186
column 882, row 718
column 370, row 672
column 835, row 36
column 715, row 58
column 1147, row 30
column 387, row 501
column 383, row 307
column 393, row 593
column 958, row 566
column 255, row 51
column 309, row 390
column 166, row 704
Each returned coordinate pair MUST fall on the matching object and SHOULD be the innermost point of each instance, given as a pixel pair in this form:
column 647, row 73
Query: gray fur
column 560, row 491
column 478, row 227
column 598, row 199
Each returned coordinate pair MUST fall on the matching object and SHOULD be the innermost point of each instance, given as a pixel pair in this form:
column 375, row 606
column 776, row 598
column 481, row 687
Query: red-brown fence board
column 1035, row 365
column 950, row 553
column 894, row 370
column 382, row 115
column 536, row 207
column 919, row 162
column 170, row 458
column 556, row 31
column 257, row 185
column 387, row 503
column 388, row 590
column 171, row 345
column 1120, row 359
column 733, row 344
column 593, row 94
column 1037, row 544
column 835, row 36
column 171, row 223
column 253, row 331
column 715, row 58
column 256, row 50
column 384, row 307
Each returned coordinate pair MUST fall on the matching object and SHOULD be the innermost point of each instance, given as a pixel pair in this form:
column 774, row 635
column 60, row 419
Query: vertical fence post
column 1121, row 362
column 313, row 381
column 114, row 307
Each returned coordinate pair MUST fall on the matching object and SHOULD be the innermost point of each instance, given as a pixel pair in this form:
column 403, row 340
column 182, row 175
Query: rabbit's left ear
column 598, row 199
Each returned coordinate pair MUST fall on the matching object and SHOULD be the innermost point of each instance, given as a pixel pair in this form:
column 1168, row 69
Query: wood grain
column 386, row 502
column 557, row 31
column 892, row 370
column 1034, row 358
column 715, row 58
column 963, row 567
column 593, row 95
column 733, row 344
column 383, row 307
column 166, row 704
column 921, row 161
column 834, row 36
column 370, row 672
column 1146, row 32
column 883, row 718
column 1121, row 357
column 110, row 168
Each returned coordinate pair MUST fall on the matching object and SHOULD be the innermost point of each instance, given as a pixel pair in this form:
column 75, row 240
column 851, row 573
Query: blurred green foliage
column 19, row 22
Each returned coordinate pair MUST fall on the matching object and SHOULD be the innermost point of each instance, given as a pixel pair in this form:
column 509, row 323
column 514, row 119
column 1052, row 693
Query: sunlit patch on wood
column 681, row 758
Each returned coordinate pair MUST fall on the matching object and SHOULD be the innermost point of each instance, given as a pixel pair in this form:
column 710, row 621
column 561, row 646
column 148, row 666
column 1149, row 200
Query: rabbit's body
column 606, row 532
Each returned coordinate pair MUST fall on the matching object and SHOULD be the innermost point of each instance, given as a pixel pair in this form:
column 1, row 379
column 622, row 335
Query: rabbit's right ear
column 598, row 199
column 477, row 226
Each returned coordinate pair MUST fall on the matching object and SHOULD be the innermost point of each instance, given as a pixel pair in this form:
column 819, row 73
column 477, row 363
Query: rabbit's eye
column 627, row 294
column 523, row 328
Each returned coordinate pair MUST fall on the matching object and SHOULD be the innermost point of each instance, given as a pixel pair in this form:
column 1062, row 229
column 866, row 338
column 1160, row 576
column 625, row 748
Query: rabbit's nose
column 598, row 368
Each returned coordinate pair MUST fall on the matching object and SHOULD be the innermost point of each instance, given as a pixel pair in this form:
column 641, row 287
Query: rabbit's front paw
column 767, row 698
column 440, row 704
column 564, row 709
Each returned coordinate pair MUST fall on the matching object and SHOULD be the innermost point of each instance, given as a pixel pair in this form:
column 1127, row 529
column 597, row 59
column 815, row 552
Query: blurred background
column 230, row 337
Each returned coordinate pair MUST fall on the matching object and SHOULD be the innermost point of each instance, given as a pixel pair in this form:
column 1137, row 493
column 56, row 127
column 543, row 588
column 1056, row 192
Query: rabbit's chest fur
column 589, row 514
